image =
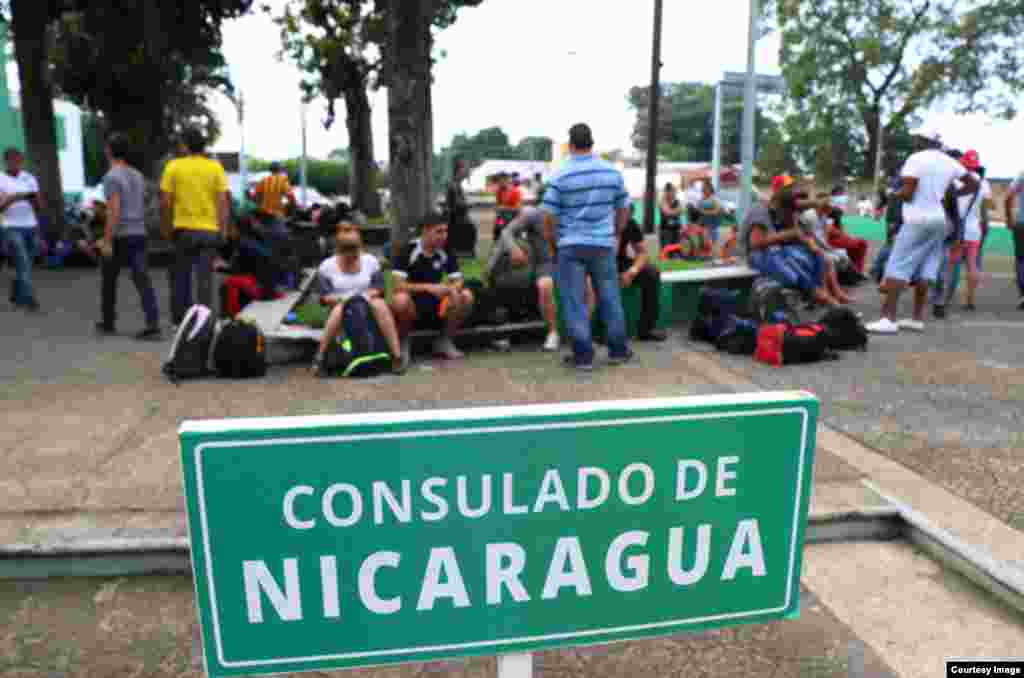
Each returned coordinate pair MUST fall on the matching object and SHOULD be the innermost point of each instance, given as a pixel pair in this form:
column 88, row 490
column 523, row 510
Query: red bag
column 769, row 344
column 781, row 344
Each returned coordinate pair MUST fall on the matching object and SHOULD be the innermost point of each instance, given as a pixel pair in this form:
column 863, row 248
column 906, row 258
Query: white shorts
column 917, row 252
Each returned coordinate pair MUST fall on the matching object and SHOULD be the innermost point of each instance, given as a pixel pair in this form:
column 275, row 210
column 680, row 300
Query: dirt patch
column 146, row 627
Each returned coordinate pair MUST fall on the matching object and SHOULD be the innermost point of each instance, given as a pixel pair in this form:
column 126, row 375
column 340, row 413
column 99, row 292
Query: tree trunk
column 360, row 146
column 409, row 123
column 871, row 122
column 30, row 21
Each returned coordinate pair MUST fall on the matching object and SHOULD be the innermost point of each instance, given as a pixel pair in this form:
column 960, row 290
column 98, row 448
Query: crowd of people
column 581, row 236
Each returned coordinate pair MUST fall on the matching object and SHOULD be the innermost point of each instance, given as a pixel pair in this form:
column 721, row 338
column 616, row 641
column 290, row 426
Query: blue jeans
column 21, row 243
column 193, row 250
column 575, row 263
column 130, row 252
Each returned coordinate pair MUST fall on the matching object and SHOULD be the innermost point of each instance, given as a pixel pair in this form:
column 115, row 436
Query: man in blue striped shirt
column 587, row 206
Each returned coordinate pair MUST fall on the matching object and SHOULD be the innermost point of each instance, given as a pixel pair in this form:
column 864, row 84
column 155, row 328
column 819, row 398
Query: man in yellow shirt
column 271, row 193
column 196, row 205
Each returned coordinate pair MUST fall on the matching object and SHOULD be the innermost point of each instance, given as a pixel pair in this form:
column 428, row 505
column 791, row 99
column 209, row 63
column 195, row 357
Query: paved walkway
column 89, row 444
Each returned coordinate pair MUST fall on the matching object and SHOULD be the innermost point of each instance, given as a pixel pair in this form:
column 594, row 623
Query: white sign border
column 208, row 557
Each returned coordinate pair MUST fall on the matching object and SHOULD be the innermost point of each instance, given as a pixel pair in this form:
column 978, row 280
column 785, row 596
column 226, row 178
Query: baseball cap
column 930, row 133
column 971, row 160
column 780, row 182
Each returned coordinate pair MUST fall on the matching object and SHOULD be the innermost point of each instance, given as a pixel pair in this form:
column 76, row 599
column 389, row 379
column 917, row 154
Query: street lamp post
column 716, row 147
column 302, row 161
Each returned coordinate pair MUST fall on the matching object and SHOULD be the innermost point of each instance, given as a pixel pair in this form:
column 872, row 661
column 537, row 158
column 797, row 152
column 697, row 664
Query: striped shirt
column 583, row 196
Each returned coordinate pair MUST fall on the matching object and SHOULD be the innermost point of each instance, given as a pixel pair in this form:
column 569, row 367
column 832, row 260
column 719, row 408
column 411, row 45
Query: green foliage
column 491, row 143
column 686, row 120
column 152, row 79
column 93, row 140
column 776, row 156
column 872, row 62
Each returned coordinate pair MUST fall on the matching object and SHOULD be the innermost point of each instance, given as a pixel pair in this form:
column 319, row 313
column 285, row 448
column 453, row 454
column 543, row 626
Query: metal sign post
column 716, row 146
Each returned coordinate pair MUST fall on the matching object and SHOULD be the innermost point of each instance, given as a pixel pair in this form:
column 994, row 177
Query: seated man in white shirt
column 354, row 273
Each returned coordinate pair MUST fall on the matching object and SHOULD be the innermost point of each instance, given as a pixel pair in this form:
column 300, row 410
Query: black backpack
column 190, row 351
column 739, row 337
column 806, row 343
column 240, row 351
column 715, row 308
column 845, row 330
column 362, row 352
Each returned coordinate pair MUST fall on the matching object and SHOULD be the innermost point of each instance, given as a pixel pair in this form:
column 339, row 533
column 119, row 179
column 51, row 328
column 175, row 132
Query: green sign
column 333, row 542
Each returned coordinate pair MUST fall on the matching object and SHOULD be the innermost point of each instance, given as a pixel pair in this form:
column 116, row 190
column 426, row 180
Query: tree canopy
column 685, row 129
column 149, row 81
column 871, row 62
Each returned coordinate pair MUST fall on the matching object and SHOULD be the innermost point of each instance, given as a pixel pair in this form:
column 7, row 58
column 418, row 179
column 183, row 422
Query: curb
column 153, row 553
column 1002, row 580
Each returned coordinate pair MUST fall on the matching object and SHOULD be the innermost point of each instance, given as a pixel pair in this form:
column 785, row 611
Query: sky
column 534, row 67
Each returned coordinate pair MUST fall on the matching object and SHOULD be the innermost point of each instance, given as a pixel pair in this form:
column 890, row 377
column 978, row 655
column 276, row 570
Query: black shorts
column 428, row 311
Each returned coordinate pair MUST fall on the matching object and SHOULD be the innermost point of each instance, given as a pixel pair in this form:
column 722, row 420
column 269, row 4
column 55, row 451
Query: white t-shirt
column 21, row 214
column 695, row 194
column 335, row 282
column 972, row 219
column 934, row 171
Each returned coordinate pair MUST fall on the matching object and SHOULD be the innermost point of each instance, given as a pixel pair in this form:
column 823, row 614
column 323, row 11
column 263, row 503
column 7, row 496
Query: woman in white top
column 354, row 273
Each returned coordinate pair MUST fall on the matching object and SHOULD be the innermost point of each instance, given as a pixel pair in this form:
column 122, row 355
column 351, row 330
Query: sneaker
column 149, row 334
column 571, row 362
column 105, row 330
column 621, row 359
column 1020, row 306
column 911, row 325
column 552, row 343
column 883, row 326
column 33, row 307
column 653, row 335
column 939, row 311
column 445, row 347
column 970, row 308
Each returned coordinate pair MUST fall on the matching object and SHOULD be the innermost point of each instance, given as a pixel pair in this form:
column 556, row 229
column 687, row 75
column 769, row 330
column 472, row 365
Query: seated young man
column 354, row 273
column 422, row 297
column 838, row 238
column 528, row 226
column 636, row 268
column 787, row 255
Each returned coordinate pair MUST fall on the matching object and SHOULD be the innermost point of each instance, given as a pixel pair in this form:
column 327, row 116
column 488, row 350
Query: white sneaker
column 553, row 342
column 445, row 347
column 883, row 326
column 911, row 325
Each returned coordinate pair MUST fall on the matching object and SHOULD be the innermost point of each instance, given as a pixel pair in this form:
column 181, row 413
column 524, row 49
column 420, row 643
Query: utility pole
column 652, row 133
column 749, row 108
